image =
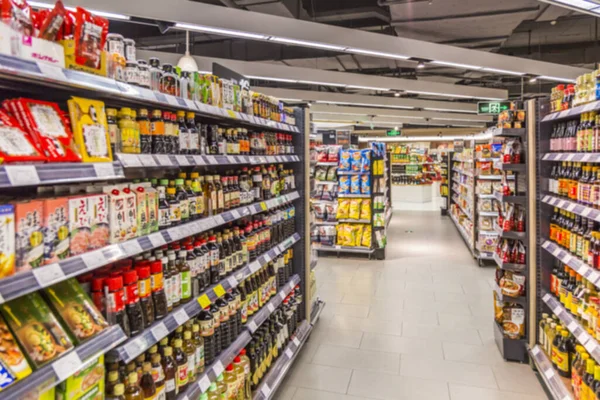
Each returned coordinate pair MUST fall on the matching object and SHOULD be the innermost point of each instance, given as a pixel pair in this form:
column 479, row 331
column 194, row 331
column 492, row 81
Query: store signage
column 329, row 137
column 343, row 138
column 459, row 145
column 492, row 107
column 226, row 73
column 394, row 132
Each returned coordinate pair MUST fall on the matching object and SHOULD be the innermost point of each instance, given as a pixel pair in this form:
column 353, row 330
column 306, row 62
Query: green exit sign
column 394, row 132
column 492, row 107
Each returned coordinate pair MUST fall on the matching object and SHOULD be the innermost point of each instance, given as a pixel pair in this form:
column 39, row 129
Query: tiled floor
column 415, row 326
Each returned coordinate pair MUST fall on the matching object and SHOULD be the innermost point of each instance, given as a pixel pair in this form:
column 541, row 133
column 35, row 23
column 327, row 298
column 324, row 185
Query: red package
column 52, row 22
column 90, row 36
column 17, row 14
column 46, row 124
column 16, row 145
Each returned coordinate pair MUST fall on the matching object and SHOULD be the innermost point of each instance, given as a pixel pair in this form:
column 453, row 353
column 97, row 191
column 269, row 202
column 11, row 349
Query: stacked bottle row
column 577, row 234
column 576, row 181
column 135, row 293
column 577, row 136
column 164, row 132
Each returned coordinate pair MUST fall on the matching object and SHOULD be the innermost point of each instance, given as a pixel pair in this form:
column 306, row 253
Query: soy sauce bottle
column 226, row 337
column 216, row 313
column 207, row 331
column 157, row 129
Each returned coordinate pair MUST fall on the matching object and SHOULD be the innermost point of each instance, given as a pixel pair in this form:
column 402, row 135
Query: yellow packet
column 354, row 212
column 358, row 233
column 366, row 236
column 90, row 129
column 343, row 208
column 365, row 209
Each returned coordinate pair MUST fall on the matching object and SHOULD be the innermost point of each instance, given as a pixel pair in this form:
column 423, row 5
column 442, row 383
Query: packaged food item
column 344, row 184
column 322, row 154
column 511, row 283
column 7, row 240
column 52, row 22
column 358, row 233
column 36, row 329
column 11, row 357
column 332, row 174
column 484, row 168
column 29, row 234
column 314, row 234
column 99, row 224
column 355, row 184
column 56, row 229
column 90, row 36
column 331, row 212
column 497, row 308
column 87, row 383
column 366, row 236
column 356, row 160
column 354, row 212
column 333, row 154
column 365, row 209
column 321, row 173
column 485, row 205
column 378, row 220
column 365, row 184
column 319, row 209
column 366, row 160
column 343, row 208
column 90, row 129
column 513, row 321
column 79, row 225
column 345, row 161
column 484, row 187
column 17, row 15
column 327, row 235
column 486, row 223
column 329, row 192
column 496, row 150
column 75, row 310
column 17, row 145
column 45, row 123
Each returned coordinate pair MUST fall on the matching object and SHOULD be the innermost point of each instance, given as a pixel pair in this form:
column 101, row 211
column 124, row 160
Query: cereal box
column 56, row 229
column 7, row 240
column 99, row 227
column 86, row 384
column 29, row 234
column 79, row 224
column 141, row 208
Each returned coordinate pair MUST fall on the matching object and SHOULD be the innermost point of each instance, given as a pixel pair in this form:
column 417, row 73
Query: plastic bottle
column 159, row 298
column 190, row 352
column 181, row 377
column 240, row 374
column 158, row 376
column 145, row 292
column 133, row 391
column 199, row 348
column 147, row 382
column 207, row 331
column 118, row 393
column 135, row 315
column 170, row 369
column 213, row 392
column 231, row 382
column 186, row 276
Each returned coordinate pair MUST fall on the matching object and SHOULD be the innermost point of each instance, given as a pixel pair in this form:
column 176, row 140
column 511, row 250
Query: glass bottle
column 170, row 370
column 175, row 279
column 157, row 129
column 193, row 135
column 184, row 139
column 147, row 383
column 181, row 361
column 182, row 197
column 158, row 376
column 186, row 278
column 133, row 391
column 174, row 206
column 199, row 348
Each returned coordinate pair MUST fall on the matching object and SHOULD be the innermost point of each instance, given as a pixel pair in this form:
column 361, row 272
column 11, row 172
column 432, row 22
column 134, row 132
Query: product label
column 94, row 137
column 182, row 375
column 184, row 209
column 200, row 358
column 170, row 385
column 186, row 285
column 191, row 368
column 207, row 328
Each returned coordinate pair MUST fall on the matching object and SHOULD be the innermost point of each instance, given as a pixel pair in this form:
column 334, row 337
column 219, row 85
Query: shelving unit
column 460, row 179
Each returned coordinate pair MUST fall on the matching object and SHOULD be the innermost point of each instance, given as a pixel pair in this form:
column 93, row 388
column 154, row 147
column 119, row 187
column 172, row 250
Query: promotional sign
column 329, row 137
column 343, row 138
column 226, row 73
column 459, row 145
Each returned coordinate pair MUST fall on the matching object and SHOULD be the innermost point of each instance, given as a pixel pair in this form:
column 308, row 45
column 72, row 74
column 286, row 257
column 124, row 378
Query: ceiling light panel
column 457, row 65
column 377, row 54
column 266, row 78
column 504, row 71
column 322, row 83
column 556, row 79
column 220, row 31
column 368, row 88
column 306, row 43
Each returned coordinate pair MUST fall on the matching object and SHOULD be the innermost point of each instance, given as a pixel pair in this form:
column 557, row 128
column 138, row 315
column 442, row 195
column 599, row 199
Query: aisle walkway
column 415, row 326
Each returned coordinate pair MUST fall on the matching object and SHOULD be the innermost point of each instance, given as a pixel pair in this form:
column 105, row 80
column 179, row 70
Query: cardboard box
column 29, row 238
column 86, row 384
column 56, row 229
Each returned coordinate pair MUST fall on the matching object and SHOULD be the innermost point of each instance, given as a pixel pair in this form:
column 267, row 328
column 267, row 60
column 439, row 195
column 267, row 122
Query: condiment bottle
column 175, row 279
column 207, row 331
column 132, row 303
column 216, row 314
column 174, row 206
column 145, row 292
column 158, row 376
column 182, row 366
column 194, row 137
column 186, row 276
column 184, row 139
column 164, row 208
column 182, row 197
column 213, row 392
column 133, row 391
column 157, row 129
column 113, row 130
column 190, row 352
column 238, row 367
column 112, row 379
column 231, row 382
column 155, row 74
column 159, row 297
column 118, row 393
column 199, row 346
column 145, row 131
column 147, row 382
column 170, row 370
column 116, row 304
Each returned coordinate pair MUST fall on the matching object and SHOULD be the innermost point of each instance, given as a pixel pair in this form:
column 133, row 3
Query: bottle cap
column 143, row 272
column 229, row 368
column 187, row 335
column 155, row 358
column 177, row 343
column 119, row 389
column 133, row 378
column 156, row 267
column 237, row 359
column 153, row 349
column 113, row 376
column 114, row 283
column 168, row 351
column 146, row 367
column 130, row 277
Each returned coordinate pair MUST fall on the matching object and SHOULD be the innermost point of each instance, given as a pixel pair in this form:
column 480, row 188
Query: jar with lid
column 144, row 74
column 116, row 56
column 128, row 131
column 130, row 55
column 169, row 82
column 155, row 73
column 132, row 73
column 113, row 130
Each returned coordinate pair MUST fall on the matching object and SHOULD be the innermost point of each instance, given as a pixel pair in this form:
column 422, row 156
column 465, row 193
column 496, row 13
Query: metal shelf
column 26, row 282
column 50, row 76
column 510, row 349
column 585, row 339
column 460, row 171
column 513, row 167
column 572, row 261
column 573, row 112
column 346, row 249
column 353, row 173
column 509, row 266
column 577, row 157
column 350, row 196
column 265, row 312
column 57, row 173
column 488, row 213
column 520, row 132
column 463, row 234
column 317, row 309
column 318, row 222
column 552, row 381
column 355, row 221
column 510, row 199
column 59, row 370
column 486, row 196
column 571, row 206
column 160, row 329
column 509, row 234
column 178, row 161
column 279, row 369
column 327, row 163
column 522, row 300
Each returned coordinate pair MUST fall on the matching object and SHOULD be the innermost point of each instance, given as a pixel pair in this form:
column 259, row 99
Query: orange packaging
column 29, row 236
column 79, row 224
column 56, row 229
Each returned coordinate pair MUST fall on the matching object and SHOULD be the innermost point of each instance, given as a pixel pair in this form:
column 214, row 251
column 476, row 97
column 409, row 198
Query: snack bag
column 11, row 357
column 356, row 163
column 321, row 154
column 358, row 233
column 333, row 154
column 350, row 235
column 355, row 184
column 329, row 192
column 365, row 184
column 344, row 187
column 90, row 36
column 7, row 242
column 331, row 211
column 319, row 210
column 354, row 212
column 332, row 174
column 366, row 236
column 366, row 160
column 365, row 209
column 345, row 162
column 16, row 144
column 90, row 129
column 343, row 208
column 321, row 173
column 17, row 14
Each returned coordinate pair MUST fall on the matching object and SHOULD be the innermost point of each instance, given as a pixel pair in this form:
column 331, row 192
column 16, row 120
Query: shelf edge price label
column 289, row 353
column 219, row 291
column 94, row 259
column 204, row 301
column 252, row 326
column 52, row 71
column 263, row 206
column 266, row 390
column 218, row 368
column 270, row 307
column 67, row 365
column 232, row 281
column 156, row 239
column 160, row 331
column 22, row 175
column 104, row 170
column 163, row 159
column 48, row 274
column 296, row 341
column 182, row 160
column 204, row 383
column 181, row 317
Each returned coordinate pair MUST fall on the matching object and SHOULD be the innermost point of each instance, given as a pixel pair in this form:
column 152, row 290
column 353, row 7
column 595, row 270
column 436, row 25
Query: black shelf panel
column 510, row 199
column 509, row 266
column 566, row 257
column 511, row 349
column 521, row 132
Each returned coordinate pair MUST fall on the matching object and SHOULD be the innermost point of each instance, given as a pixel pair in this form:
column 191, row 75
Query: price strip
column 252, row 326
column 181, row 317
column 159, row 332
column 172, row 100
column 204, row 383
column 593, row 277
column 253, row 267
column 163, row 159
column 219, row 220
column 263, row 206
column 204, row 301
column 218, row 368
column 232, row 281
column 231, row 160
column 282, row 295
column 22, row 175
column 591, row 346
column 235, row 214
column 104, row 170
column 296, row 341
column 535, row 350
column 572, row 326
column 211, row 160
column 94, row 259
column 67, row 366
column 182, row 160
column 48, row 274
column 270, row 307
column 157, row 239
column 147, row 160
column 219, row 291
column 53, row 72
column 134, row 348
column 190, row 104
column 549, row 373
column 130, row 160
column 266, row 390
column 232, row 114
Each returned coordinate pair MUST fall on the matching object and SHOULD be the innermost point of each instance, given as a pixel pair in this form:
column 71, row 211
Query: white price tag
column 570, row 157
column 270, row 307
column 235, row 214
column 282, row 295
column 296, row 341
column 549, row 373
column 204, row 383
column 586, row 212
column 22, row 175
column 593, row 277
column 218, row 368
column 231, row 160
column 181, row 317
column 219, row 220
column 254, row 266
column 571, row 207
column 556, row 310
column 172, row 100
column 252, row 326
column 567, row 258
column 191, row 105
column 104, row 170
column 265, row 390
column 156, row 239
column 159, row 331
column 211, row 160
column 94, row 259
column 267, row 258
column 147, row 160
column 52, row 71
column 535, row 350
column 591, row 346
column 134, row 348
column 232, row 281
column 182, row 160
column 572, row 325
column 48, row 274
column 163, row 159
column 289, row 353
column 132, row 247
column 198, row 160
column 66, row 366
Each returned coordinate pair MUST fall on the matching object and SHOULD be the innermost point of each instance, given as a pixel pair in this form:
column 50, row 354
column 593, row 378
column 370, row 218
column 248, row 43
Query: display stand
column 462, row 196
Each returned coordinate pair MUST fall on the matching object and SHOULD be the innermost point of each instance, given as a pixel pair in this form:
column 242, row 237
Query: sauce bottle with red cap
column 115, row 304
column 159, row 298
column 133, row 308
column 145, row 292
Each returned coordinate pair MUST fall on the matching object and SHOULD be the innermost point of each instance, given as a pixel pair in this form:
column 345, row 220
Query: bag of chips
column 365, row 209
column 366, row 160
column 355, row 184
column 329, row 192
column 358, row 233
column 331, row 211
column 332, row 174
column 365, row 184
column 354, row 212
column 366, row 236
column 344, row 187
column 343, row 208
column 333, row 154
column 345, row 162
column 356, row 160
column 319, row 210
column 321, row 173
column 322, row 154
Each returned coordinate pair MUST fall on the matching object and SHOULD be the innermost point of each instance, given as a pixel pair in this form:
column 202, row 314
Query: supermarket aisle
column 415, row 326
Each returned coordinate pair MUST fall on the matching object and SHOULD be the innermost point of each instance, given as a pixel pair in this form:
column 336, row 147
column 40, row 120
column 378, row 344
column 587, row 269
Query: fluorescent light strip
column 586, row 5
column 347, row 103
column 450, row 110
column 109, row 15
column 481, row 136
column 306, row 43
column 504, row 71
column 556, row 79
column 220, row 31
column 456, row 65
column 442, row 94
column 376, row 53
column 322, row 83
column 266, row 78
column 368, row 88
column 458, row 119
